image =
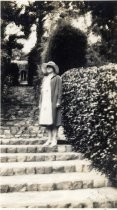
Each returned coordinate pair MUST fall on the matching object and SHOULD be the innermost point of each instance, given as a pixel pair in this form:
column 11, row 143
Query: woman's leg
column 49, row 131
column 54, row 136
column 54, row 132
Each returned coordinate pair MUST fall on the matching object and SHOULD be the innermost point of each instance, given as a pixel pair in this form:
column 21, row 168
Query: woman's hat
column 51, row 64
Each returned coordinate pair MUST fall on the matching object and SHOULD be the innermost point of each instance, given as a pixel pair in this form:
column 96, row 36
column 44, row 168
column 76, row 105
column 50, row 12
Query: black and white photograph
column 58, row 136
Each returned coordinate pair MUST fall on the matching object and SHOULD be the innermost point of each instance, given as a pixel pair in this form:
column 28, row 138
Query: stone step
column 16, row 136
column 49, row 182
column 82, row 198
column 22, row 141
column 28, row 141
column 29, row 157
column 34, row 148
column 44, row 167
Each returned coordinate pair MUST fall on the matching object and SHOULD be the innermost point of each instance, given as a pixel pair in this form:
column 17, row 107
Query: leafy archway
column 67, row 48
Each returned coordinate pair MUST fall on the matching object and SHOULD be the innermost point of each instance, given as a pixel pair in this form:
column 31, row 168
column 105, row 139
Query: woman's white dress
column 45, row 117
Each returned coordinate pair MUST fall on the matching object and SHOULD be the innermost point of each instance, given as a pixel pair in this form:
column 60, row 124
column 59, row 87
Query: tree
column 39, row 9
column 67, row 47
column 104, row 22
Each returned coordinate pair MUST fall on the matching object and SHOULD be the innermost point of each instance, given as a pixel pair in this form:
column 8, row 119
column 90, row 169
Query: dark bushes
column 67, row 47
column 13, row 72
column 89, row 108
column 33, row 61
column 6, row 79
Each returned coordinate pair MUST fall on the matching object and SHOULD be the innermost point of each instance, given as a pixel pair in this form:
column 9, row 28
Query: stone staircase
column 40, row 177
column 37, row 176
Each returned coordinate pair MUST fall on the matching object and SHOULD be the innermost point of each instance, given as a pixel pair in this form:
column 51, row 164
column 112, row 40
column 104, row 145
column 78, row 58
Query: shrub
column 89, row 106
column 13, row 72
column 6, row 78
column 67, row 47
column 33, row 61
column 37, row 81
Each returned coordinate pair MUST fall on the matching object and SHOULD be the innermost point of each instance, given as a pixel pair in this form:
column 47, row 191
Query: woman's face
column 49, row 70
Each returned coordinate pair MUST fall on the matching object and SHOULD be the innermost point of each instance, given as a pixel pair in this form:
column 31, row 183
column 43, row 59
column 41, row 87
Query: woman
column 50, row 101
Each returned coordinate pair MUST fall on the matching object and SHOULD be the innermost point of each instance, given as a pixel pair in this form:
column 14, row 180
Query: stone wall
column 17, row 113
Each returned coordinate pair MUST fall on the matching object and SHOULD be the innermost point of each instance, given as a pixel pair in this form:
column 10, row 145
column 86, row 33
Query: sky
column 23, row 2
column 30, row 42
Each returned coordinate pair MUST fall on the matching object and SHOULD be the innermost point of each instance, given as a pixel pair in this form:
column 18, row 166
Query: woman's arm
column 59, row 87
column 40, row 97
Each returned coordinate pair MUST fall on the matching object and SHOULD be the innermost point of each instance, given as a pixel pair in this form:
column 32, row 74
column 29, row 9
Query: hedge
column 89, row 114
column 67, row 47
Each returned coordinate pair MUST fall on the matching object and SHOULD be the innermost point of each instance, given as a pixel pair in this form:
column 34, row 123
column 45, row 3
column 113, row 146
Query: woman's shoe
column 54, row 143
column 47, row 143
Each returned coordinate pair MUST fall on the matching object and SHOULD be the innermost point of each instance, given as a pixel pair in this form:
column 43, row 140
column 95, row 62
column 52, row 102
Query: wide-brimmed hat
column 52, row 64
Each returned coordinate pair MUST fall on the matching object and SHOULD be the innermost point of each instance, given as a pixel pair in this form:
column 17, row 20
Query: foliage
column 37, row 81
column 93, row 56
column 5, row 77
column 33, row 60
column 5, row 87
column 38, row 10
column 67, row 47
column 9, row 13
column 13, row 72
column 5, row 61
column 104, row 23
column 89, row 109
